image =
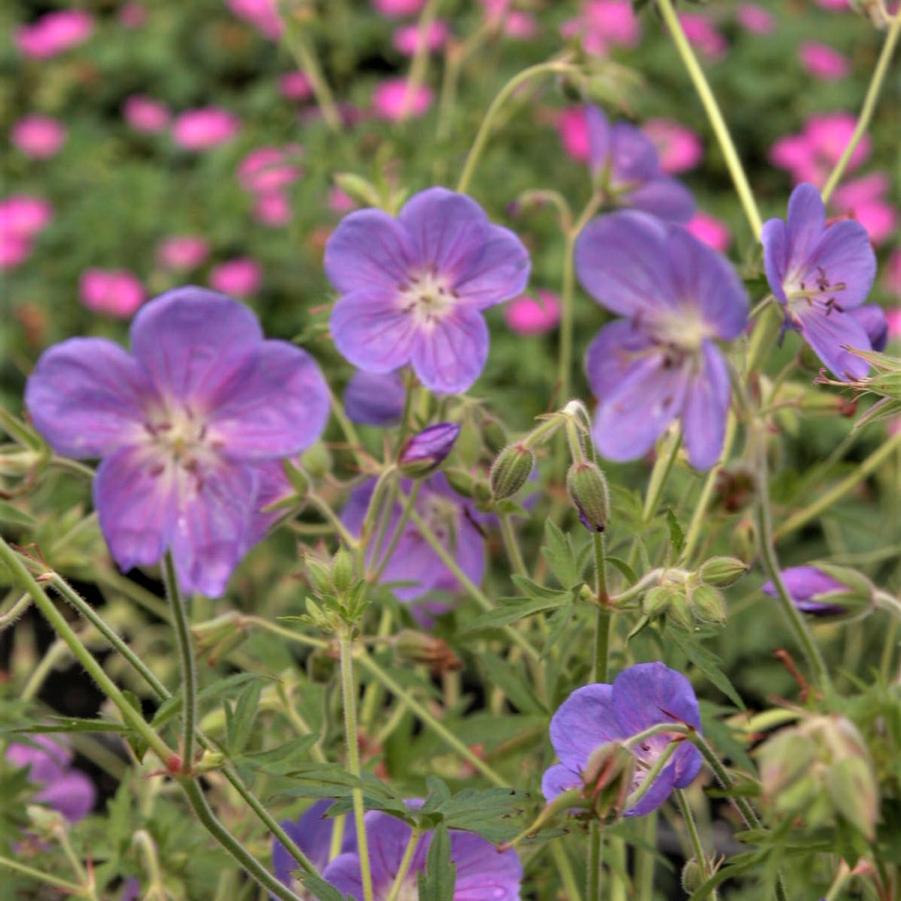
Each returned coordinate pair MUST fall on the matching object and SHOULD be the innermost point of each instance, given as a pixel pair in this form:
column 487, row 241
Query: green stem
column 404, row 865
column 565, row 869
column 717, row 122
column 650, row 777
column 156, row 888
column 828, row 498
column 9, row 617
column 349, row 702
column 511, row 545
column 843, row 874
column 594, row 874
column 420, row 55
column 56, row 653
column 869, row 105
column 663, row 466
column 484, row 132
column 398, row 531
column 186, row 656
column 694, row 837
column 646, row 859
column 745, row 811
column 322, row 506
column 68, row 887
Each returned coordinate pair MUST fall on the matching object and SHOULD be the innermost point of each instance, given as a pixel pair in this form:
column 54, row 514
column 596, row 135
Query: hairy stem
column 186, row 658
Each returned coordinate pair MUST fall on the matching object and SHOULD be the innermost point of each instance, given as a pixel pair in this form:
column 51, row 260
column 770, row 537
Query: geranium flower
column 116, row 292
column 661, row 361
column 375, row 398
column 38, row 137
column 414, row 287
column 809, row 589
column 533, row 315
column 819, row 273
column 182, row 425
column 640, row 697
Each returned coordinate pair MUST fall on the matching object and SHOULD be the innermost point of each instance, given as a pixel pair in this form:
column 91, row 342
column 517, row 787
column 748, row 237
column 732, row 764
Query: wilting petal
column 85, row 397
column 369, row 250
column 213, row 527
column 845, row 254
column 449, row 356
column 582, row 722
column 618, row 261
column 774, row 238
column 495, row 272
column 827, row 333
column 275, row 404
column 374, row 398
column 190, row 339
column 631, row 418
column 875, row 323
column 136, row 502
column 558, row 779
column 73, row 795
column 664, row 197
column 806, row 221
column 651, row 693
column 706, row 280
column 611, row 355
column 372, row 331
column 483, row 874
column 706, row 409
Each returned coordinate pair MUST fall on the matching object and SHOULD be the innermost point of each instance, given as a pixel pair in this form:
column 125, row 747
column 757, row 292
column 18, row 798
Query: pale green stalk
column 404, row 866
column 186, row 656
column 694, row 837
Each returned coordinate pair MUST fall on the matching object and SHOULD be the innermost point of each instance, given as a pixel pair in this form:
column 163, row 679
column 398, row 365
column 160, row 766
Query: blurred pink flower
column 602, row 24
column 145, row 114
column 262, row 14
column 573, row 131
column 392, row 100
column 823, row 62
column 520, row 25
column 54, row 33
column 864, row 200
column 810, row 155
column 295, row 86
column 833, row 4
column 240, row 276
column 200, row 129
column 39, row 137
column 14, row 249
column 755, row 19
column 679, row 147
column 406, row 38
column 24, row 216
column 132, row 15
column 116, row 292
column 712, row 231
column 893, row 286
column 182, row 252
column 397, row 8
column 268, row 169
column 530, row 316
column 702, row 33
column 340, row 202
column 272, row 209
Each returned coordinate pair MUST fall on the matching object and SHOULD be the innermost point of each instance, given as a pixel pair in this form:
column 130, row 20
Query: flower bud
column 853, row 790
column 297, row 477
column 319, row 575
column 511, row 470
column 657, row 600
column 317, row 461
column 359, row 189
column 342, row 571
column 608, row 777
column 744, row 539
column 587, row 489
column 435, row 653
column 692, row 876
column 707, row 604
column 721, row 571
column 425, row 451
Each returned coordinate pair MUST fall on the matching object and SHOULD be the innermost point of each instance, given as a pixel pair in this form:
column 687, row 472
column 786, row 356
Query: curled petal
column 774, row 238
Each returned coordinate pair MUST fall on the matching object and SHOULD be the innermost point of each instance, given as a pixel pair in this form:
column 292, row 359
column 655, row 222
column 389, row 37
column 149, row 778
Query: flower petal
column 374, row 398
column 85, row 397
column 805, row 222
column 664, row 197
column 369, row 250
column 582, row 722
column 845, row 254
column 634, row 156
column 612, row 354
column 774, row 238
column 450, row 355
column 655, row 795
column 312, row 833
column 558, row 779
column 650, row 693
column 275, row 404
column 827, row 333
column 618, row 261
column 496, row 271
column 372, row 331
column 706, row 408
column 136, row 502
column 483, row 872
column 73, row 795
column 190, row 340
column 875, row 323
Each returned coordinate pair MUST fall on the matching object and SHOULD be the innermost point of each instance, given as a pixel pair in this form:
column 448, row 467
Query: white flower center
column 427, row 296
column 805, row 291
column 683, row 329
column 179, row 437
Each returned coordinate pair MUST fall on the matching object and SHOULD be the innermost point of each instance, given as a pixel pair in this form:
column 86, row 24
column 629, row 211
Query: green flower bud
column 722, row 571
column 319, row 575
column 587, row 489
column 317, row 461
column 853, row 790
column 657, row 600
column 342, row 571
column 608, row 777
column 707, row 604
column 511, row 470
column 692, row 876
column 435, row 653
column 359, row 189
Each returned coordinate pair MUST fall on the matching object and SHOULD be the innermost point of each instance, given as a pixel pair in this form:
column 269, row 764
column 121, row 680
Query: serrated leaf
column 438, row 881
column 537, row 592
column 624, row 568
column 560, row 555
column 707, row 662
column 222, row 687
column 281, row 759
column 502, row 675
column 512, row 610
column 12, row 516
column 676, row 535
column 241, row 723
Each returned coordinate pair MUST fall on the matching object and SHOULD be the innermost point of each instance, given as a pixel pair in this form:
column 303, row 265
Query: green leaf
column 239, row 725
column 12, row 516
column 281, row 759
column 502, row 675
column 438, row 881
column 223, row 687
column 492, row 813
column 624, row 568
column 321, row 889
column 676, row 535
column 538, row 592
column 561, row 557
column 512, row 610
column 71, row 724
column 707, row 662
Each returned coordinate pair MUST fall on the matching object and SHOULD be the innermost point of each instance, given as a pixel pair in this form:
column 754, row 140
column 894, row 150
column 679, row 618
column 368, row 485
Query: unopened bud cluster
column 338, row 595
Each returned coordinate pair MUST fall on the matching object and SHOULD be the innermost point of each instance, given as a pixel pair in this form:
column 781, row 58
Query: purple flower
column 312, row 833
column 809, row 588
column 640, row 697
column 375, row 398
column 482, row 873
column 661, row 361
column 625, row 162
column 49, row 763
column 820, row 273
column 413, row 288
column 875, row 323
column 183, row 426
column 426, row 450
column 413, row 566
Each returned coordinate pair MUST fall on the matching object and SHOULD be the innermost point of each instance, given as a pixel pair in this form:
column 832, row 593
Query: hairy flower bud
column 435, row 653
column 722, row 571
column 317, row 460
column 608, row 777
column 425, row 451
column 706, row 604
column 658, row 599
column 511, row 470
column 587, row 489
column 692, row 876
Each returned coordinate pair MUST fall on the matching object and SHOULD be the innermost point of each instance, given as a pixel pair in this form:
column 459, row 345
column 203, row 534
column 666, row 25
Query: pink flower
column 679, row 148
column 864, row 200
column 602, row 24
column 272, row 209
column 395, row 9
column 393, row 101
column 39, row 137
column 833, row 4
column 14, row 249
column 145, row 114
column 267, row 168
column 113, row 291
column 24, row 216
column 520, row 25
column 823, row 62
column 529, row 316
column 893, row 286
column 755, row 19
column 406, row 38
column 54, row 33
column 262, row 14
column 701, row 32
column 712, row 231
column 573, row 131
column 200, row 129
column 182, row 252
column 240, row 276
column 132, row 15
column 339, row 202
column 811, row 155
column 295, row 86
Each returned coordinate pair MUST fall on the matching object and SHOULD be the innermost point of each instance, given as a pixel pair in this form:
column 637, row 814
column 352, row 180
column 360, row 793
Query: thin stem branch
column 186, row 655
column 694, row 837
column 40, row 876
column 9, row 617
column 404, row 866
